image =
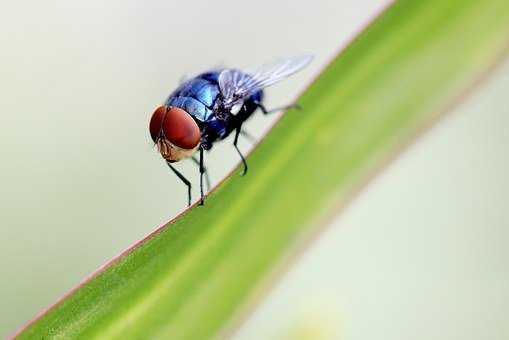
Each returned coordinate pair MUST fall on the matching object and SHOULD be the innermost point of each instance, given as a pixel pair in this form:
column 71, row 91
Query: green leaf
column 194, row 277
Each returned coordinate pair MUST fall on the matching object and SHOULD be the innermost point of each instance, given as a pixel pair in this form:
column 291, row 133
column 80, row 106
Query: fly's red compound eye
column 156, row 122
column 176, row 125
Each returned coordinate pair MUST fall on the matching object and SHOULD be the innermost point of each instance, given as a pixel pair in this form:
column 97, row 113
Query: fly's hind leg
column 282, row 108
column 184, row 180
column 237, row 133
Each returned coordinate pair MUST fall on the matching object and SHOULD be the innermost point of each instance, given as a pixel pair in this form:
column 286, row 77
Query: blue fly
column 209, row 107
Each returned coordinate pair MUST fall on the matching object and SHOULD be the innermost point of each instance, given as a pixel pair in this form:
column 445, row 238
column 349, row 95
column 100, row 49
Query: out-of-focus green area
column 81, row 181
column 421, row 253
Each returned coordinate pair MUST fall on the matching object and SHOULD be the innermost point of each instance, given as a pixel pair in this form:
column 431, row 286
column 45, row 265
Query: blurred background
column 421, row 253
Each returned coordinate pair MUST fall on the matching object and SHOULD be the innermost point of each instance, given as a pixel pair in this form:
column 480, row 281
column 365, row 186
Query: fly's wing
column 236, row 85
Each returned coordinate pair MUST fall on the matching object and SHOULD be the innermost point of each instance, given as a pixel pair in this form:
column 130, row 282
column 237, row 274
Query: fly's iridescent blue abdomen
column 198, row 95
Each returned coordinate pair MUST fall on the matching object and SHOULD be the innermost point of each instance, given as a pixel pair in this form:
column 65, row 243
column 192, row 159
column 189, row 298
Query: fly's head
column 175, row 133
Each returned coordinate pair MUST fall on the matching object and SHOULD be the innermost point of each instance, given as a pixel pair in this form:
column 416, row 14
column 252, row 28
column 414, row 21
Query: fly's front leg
column 184, row 180
column 282, row 108
column 237, row 133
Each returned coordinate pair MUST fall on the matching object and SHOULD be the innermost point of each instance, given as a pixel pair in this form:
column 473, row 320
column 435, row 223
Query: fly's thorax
column 173, row 153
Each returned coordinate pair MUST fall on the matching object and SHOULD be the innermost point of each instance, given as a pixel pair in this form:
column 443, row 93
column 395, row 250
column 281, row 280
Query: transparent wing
column 236, row 85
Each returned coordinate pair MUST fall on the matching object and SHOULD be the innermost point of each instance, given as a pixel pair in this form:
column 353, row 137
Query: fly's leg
column 282, row 108
column 237, row 133
column 202, row 170
column 205, row 172
column 184, row 180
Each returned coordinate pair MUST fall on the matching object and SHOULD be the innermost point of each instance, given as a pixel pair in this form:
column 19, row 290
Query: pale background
column 422, row 253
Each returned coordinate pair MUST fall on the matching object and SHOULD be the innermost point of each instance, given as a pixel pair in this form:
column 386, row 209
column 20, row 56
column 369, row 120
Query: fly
column 209, row 107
